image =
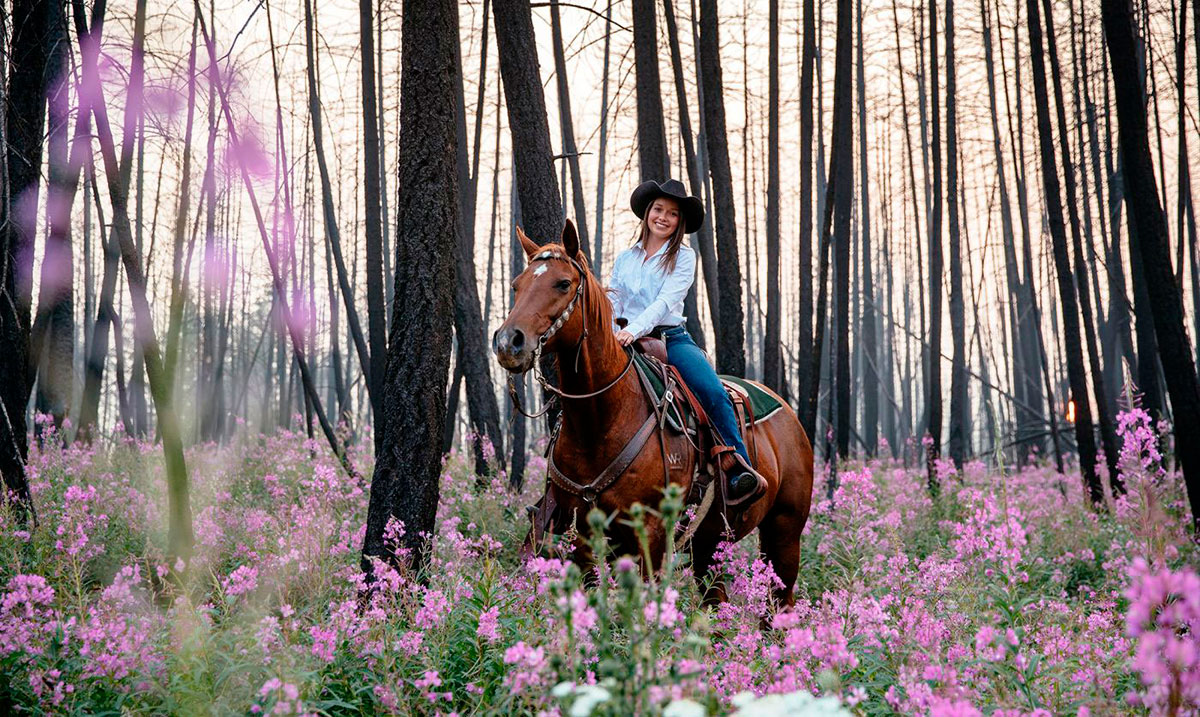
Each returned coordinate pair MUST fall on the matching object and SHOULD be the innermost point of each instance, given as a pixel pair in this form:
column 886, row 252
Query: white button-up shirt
column 646, row 293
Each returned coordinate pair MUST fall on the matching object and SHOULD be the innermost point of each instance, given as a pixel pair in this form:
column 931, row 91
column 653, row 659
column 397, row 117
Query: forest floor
column 1005, row 595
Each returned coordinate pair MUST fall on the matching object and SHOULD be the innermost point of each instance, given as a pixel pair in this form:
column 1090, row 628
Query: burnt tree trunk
column 1108, row 436
column 24, row 115
column 869, row 347
column 934, row 389
column 469, row 324
column 772, row 354
column 959, row 410
column 405, row 484
column 533, row 160
column 54, row 327
column 1085, row 439
column 1148, row 239
column 804, row 327
column 843, row 199
column 651, row 132
column 373, row 234
column 731, row 355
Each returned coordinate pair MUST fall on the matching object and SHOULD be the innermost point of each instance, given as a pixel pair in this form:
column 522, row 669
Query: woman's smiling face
column 662, row 218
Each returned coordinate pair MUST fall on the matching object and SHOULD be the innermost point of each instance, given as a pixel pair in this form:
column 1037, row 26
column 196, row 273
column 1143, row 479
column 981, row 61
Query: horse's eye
column 563, row 285
column 513, row 285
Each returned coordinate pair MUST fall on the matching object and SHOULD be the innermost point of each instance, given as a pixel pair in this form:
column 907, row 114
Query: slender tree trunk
column 703, row 239
column 1084, row 438
column 332, row 233
column 804, row 332
column 1148, row 239
column 1108, row 438
column 772, row 355
column 567, row 126
column 598, row 257
column 470, row 326
column 372, row 193
column 959, row 410
column 934, row 389
column 405, row 484
column 870, row 388
column 731, row 355
column 843, row 199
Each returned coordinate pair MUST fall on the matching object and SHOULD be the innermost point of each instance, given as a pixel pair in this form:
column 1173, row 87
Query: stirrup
column 732, row 464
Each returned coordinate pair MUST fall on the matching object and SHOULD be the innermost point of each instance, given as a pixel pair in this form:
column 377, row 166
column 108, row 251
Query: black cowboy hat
column 691, row 207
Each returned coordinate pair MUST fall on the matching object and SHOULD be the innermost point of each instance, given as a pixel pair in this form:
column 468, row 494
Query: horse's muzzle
column 513, row 350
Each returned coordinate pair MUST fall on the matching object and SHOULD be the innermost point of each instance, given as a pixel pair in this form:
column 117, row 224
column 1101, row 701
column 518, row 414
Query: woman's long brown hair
column 667, row 260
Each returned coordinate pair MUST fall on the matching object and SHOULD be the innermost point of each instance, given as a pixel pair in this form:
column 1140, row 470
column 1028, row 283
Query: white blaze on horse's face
column 540, row 309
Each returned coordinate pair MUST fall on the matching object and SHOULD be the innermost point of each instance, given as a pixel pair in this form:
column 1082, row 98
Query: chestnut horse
column 561, row 308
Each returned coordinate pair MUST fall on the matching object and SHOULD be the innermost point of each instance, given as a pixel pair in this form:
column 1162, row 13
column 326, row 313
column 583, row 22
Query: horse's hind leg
column 779, row 542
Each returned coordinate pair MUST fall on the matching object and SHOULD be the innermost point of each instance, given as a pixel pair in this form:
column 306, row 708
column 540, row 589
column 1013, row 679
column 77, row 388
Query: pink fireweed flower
column 242, row 580
column 1164, row 614
column 528, row 664
column 666, row 614
column 76, row 527
column 325, row 642
column 489, row 624
column 433, row 610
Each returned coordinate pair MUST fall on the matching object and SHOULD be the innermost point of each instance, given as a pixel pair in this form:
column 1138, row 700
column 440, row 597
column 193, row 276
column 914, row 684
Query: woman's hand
column 624, row 337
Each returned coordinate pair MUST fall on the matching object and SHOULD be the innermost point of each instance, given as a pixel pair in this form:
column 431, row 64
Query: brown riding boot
column 745, row 485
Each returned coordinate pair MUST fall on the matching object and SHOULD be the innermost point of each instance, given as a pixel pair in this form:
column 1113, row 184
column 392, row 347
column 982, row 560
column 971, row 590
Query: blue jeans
column 685, row 355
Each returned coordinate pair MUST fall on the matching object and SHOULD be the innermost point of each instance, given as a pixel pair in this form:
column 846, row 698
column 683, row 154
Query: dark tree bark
column 869, row 347
column 405, row 484
column 772, row 354
column 598, row 257
column 843, row 200
column 1148, row 239
column 332, row 233
column 934, row 389
column 804, row 341
column 731, row 355
column 1084, row 437
column 702, row 239
column 54, row 326
column 537, row 187
column 652, row 137
column 1108, row 436
column 372, row 194
column 567, row 125
column 1026, row 421
column 24, row 117
column 959, row 410
column 469, row 324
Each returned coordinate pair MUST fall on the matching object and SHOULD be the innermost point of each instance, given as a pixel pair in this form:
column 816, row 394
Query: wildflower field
column 1004, row 595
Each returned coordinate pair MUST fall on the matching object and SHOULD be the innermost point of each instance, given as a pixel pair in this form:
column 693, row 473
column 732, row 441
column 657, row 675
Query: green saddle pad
column 763, row 403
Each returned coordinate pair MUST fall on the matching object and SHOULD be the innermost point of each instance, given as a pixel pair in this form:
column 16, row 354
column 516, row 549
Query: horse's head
column 550, row 303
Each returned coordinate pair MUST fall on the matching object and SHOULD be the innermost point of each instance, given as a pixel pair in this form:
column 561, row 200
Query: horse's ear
column 570, row 239
column 530, row 246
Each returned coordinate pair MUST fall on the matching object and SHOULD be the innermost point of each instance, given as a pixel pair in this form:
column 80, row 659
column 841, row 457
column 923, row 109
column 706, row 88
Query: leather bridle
column 558, row 322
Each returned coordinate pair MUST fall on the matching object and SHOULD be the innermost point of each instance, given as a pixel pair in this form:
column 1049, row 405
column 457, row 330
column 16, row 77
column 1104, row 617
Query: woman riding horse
column 612, row 448
column 648, row 284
